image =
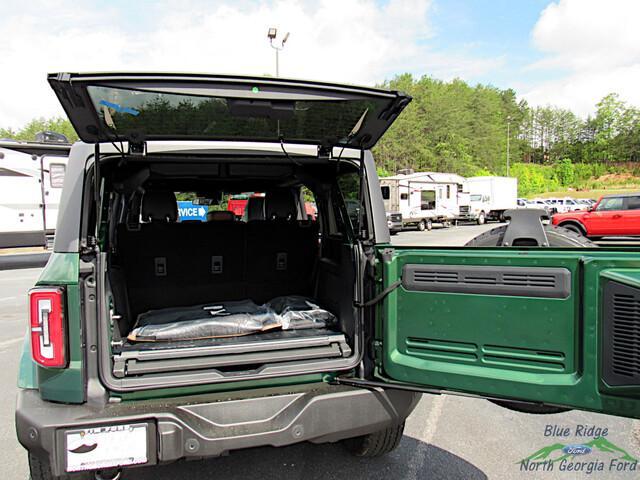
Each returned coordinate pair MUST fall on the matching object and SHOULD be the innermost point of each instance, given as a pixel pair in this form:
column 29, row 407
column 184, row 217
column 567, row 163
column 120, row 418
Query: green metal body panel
column 514, row 347
column 27, row 370
column 60, row 385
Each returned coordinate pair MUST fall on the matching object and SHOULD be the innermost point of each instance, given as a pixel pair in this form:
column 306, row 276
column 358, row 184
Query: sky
column 567, row 53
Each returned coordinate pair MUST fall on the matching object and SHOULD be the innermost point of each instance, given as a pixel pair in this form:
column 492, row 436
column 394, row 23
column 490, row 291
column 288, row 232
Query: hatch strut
column 381, row 296
column 96, row 174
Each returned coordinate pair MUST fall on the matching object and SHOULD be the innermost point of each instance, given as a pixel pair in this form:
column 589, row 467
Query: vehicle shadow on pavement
column 413, row 459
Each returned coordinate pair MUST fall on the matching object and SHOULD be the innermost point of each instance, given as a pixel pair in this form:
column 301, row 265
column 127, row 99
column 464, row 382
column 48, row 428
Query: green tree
column 28, row 132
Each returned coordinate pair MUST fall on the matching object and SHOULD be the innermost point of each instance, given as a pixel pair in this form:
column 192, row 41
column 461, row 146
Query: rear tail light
column 47, row 325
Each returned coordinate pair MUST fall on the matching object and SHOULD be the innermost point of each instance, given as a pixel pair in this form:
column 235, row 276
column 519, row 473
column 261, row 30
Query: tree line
column 456, row 127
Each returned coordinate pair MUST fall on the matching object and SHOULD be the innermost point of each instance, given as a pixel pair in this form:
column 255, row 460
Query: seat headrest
column 254, row 210
column 220, row 216
column 159, row 207
column 280, row 205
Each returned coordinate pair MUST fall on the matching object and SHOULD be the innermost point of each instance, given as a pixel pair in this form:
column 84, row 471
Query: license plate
column 106, row 447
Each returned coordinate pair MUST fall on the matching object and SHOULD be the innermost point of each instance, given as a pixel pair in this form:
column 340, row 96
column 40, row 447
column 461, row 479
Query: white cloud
column 355, row 41
column 597, row 44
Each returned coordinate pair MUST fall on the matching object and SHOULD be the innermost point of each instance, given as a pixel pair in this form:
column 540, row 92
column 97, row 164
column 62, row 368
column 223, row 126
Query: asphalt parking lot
column 447, row 437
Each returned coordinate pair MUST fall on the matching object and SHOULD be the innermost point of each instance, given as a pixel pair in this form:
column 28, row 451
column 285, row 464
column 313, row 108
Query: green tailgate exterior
column 518, row 347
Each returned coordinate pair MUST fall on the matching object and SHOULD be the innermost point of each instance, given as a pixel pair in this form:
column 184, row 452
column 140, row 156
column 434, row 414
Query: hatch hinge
column 137, row 148
column 325, row 151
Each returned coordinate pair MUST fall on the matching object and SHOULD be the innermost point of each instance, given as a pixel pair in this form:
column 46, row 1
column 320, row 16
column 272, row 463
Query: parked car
column 563, row 205
column 613, row 215
column 543, row 204
column 395, row 224
column 152, row 340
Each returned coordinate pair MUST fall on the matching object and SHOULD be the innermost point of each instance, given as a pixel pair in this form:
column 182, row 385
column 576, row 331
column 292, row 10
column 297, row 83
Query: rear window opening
column 221, row 277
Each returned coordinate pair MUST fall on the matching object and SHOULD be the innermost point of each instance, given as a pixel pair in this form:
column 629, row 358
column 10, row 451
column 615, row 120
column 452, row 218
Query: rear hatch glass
column 111, row 107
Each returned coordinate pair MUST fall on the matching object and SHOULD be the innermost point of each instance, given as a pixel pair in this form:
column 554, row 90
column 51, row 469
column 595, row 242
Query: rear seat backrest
column 220, row 216
column 173, row 264
column 254, row 209
column 179, row 264
column 159, row 207
column 280, row 250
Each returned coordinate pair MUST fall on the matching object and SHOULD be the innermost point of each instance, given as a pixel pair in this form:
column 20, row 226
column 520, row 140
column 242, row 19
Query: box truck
column 489, row 197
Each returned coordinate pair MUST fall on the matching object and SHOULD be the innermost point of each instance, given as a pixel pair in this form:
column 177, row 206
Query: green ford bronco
column 155, row 336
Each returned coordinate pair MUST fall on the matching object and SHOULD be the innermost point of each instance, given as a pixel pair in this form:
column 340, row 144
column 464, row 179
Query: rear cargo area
column 229, row 296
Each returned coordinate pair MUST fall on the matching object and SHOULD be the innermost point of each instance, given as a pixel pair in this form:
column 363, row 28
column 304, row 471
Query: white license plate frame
column 106, row 446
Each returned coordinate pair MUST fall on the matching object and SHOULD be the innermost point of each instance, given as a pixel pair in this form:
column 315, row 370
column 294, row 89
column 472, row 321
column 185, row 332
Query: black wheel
column 429, row 224
column 422, row 226
column 376, row 444
column 573, row 227
column 557, row 236
column 481, row 218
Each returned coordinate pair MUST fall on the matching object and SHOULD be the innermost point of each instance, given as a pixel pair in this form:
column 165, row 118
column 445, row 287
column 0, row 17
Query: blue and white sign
column 189, row 211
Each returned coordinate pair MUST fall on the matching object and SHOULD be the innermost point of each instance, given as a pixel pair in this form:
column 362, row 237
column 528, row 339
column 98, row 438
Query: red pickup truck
column 612, row 216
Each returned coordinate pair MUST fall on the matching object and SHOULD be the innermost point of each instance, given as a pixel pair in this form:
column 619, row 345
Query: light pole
column 271, row 34
column 508, row 139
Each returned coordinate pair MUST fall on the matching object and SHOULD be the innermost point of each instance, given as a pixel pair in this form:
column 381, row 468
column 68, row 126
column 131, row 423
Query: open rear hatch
column 138, row 107
column 147, row 259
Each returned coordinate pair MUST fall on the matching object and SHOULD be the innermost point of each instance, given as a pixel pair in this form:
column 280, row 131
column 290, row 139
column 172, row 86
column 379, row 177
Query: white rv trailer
column 423, row 198
column 31, row 177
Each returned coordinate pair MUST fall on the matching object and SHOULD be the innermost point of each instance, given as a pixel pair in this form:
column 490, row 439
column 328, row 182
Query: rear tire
column 376, row 444
column 557, row 236
column 429, row 225
column 422, row 226
column 574, row 228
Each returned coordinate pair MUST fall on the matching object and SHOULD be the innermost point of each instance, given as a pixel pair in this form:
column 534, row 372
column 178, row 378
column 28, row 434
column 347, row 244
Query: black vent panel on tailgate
column 488, row 280
column 621, row 343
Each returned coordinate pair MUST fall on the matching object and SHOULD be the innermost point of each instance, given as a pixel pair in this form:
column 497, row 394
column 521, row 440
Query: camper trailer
column 423, row 198
column 31, row 177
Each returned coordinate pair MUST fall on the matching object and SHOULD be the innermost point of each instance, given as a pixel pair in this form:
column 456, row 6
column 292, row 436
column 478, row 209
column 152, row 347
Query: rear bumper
column 210, row 425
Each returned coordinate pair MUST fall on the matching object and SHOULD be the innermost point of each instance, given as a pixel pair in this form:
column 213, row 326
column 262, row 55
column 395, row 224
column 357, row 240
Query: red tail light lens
column 48, row 336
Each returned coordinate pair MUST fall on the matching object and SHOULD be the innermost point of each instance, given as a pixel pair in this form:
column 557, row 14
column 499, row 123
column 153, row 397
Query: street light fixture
column 508, row 139
column 272, row 33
